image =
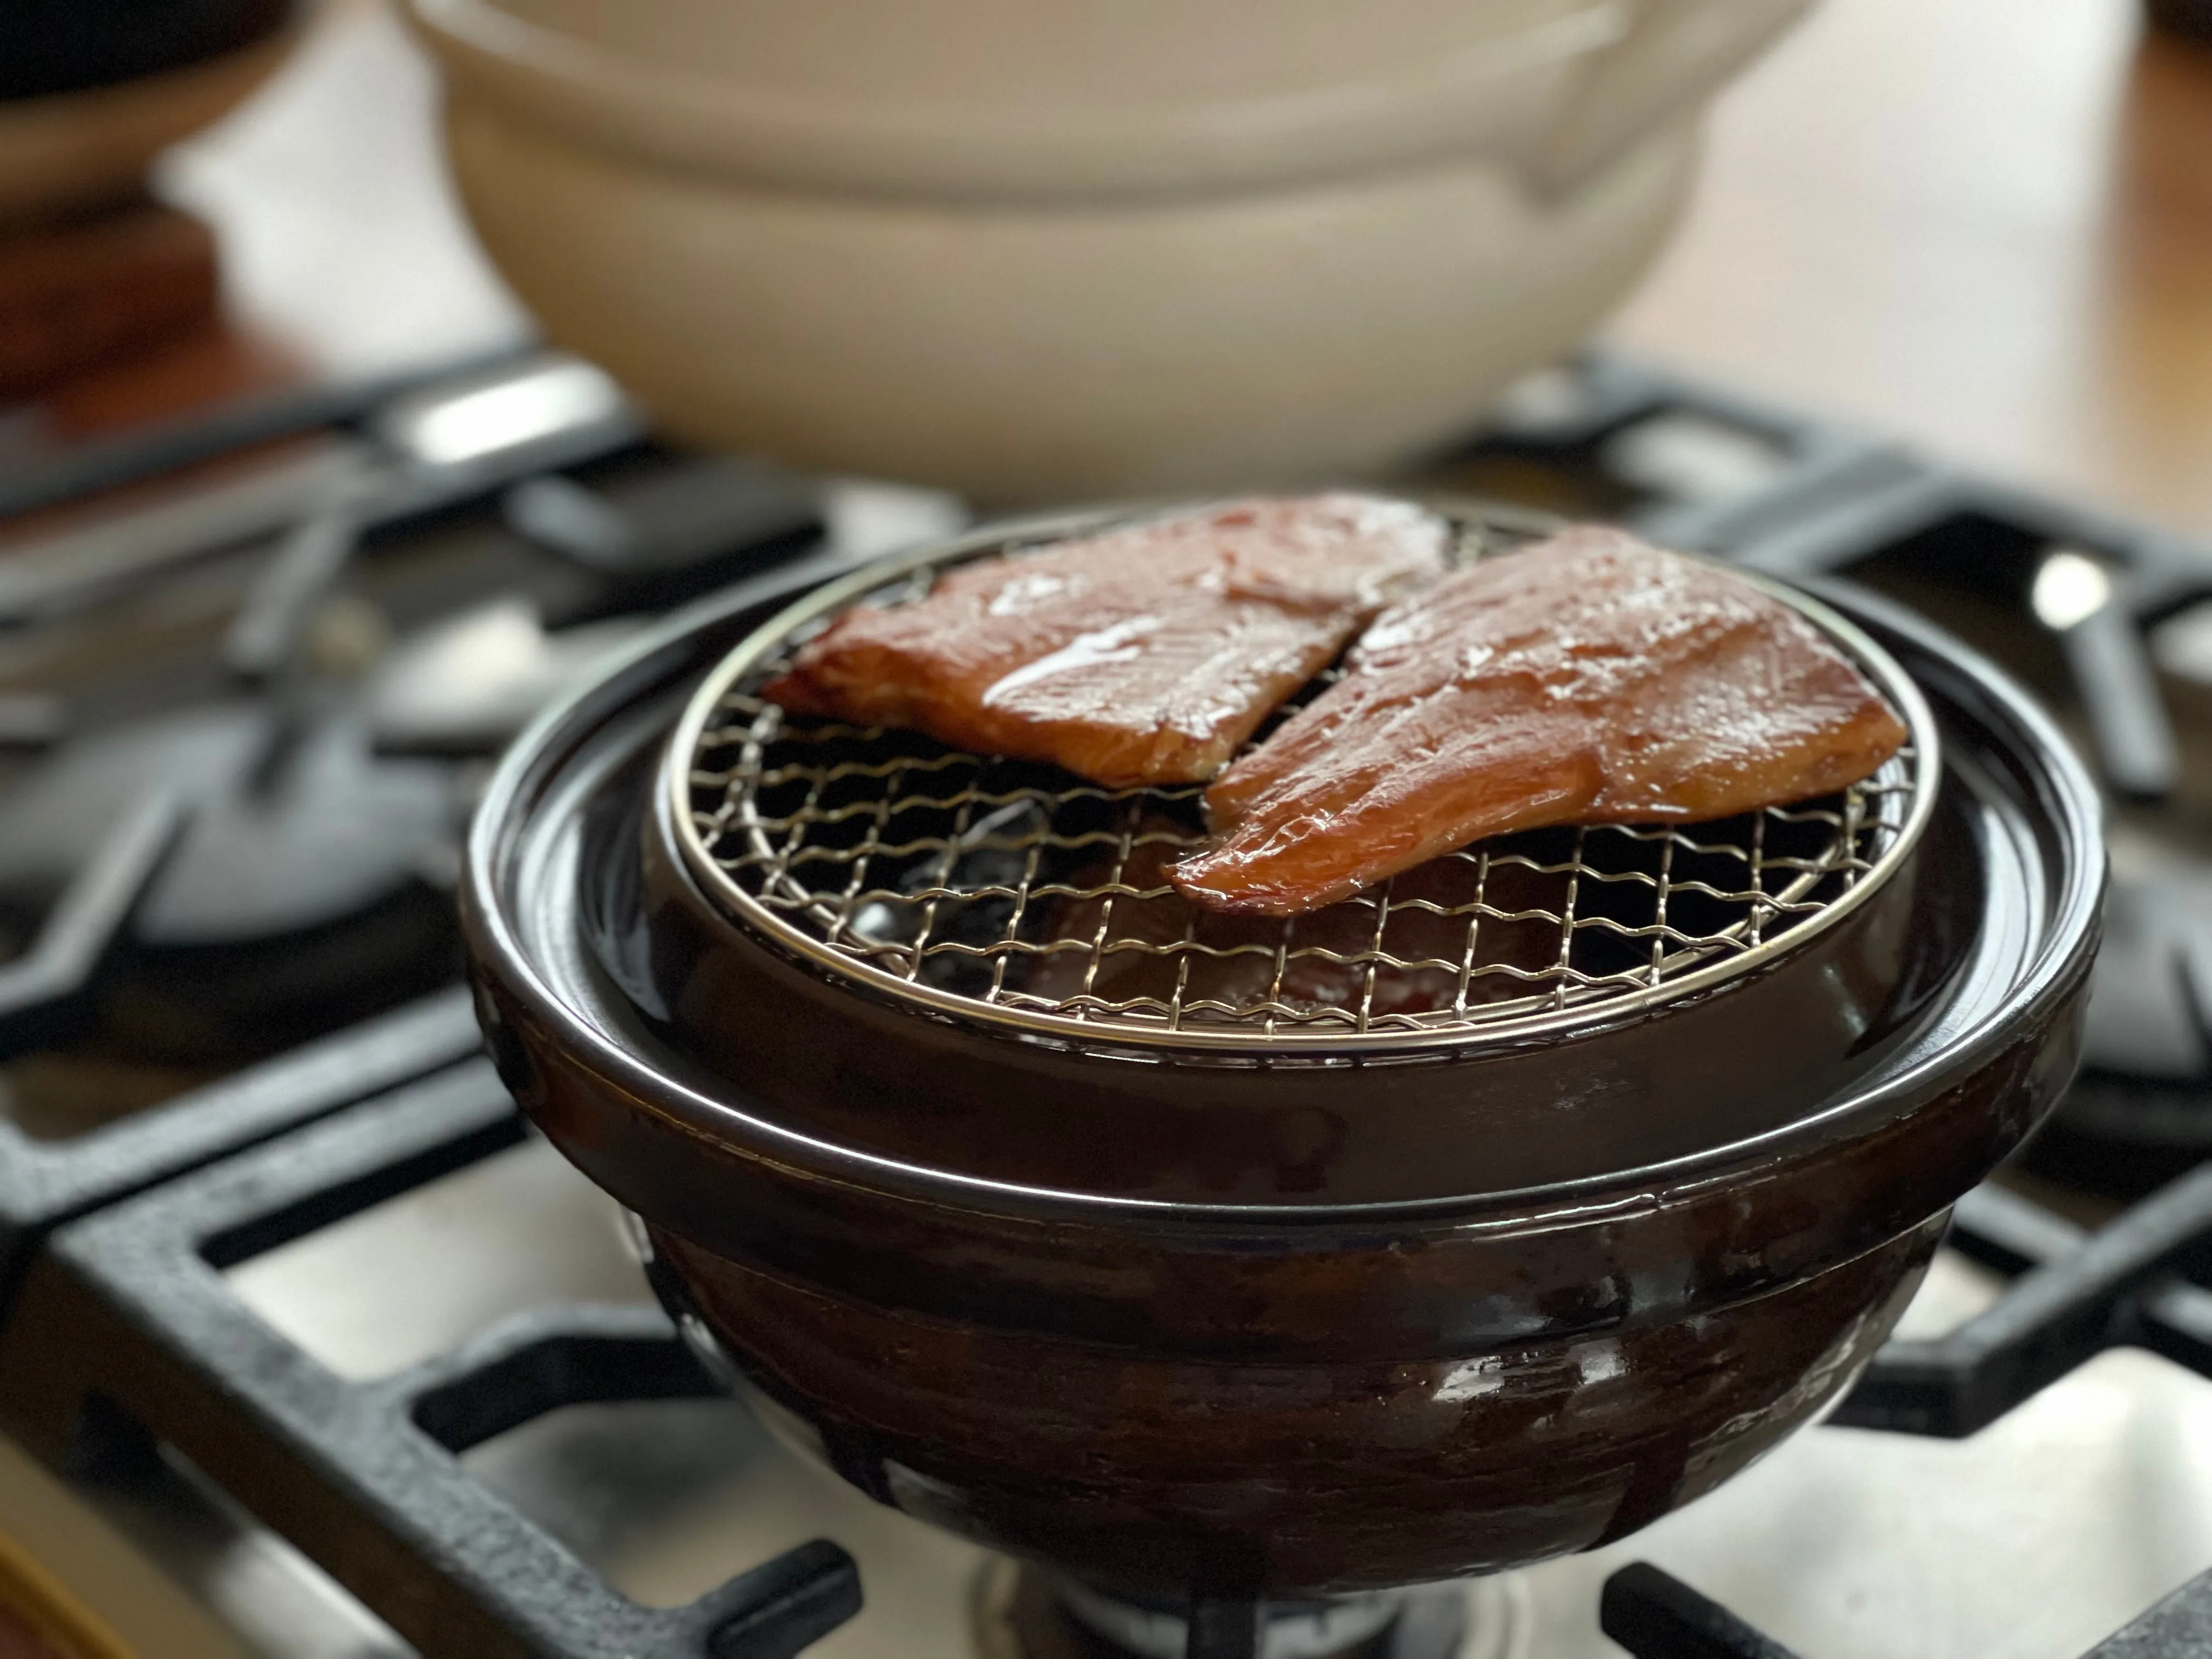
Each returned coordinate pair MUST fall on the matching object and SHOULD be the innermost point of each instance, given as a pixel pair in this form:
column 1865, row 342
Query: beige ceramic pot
column 1098, row 246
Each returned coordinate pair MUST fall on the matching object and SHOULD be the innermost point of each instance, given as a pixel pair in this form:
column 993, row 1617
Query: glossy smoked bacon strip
column 1144, row 654
column 1592, row 678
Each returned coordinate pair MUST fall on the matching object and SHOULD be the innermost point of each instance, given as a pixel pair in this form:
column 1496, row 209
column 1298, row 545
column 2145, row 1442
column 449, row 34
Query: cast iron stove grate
column 225, row 863
column 127, row 1339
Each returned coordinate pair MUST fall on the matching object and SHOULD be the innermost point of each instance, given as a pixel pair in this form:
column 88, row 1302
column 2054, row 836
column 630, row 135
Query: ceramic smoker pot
column 1253, row 1387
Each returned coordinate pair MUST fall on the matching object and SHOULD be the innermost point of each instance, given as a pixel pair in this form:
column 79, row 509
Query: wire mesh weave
column 1014, row 885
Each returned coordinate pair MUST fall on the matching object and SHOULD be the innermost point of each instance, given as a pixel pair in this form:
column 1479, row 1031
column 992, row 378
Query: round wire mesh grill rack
column 1015, row 894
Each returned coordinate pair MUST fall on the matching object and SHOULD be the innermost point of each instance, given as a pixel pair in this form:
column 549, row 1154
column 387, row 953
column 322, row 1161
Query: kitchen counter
column 1982, row 227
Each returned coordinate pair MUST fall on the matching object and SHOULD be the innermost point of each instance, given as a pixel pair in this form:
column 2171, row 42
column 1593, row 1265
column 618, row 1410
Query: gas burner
column 299, row 858
column 1025, row 1613
column 243, row 710
column 296, row 889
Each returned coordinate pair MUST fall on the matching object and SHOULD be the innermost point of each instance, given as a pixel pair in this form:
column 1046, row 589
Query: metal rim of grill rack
column 942, row 879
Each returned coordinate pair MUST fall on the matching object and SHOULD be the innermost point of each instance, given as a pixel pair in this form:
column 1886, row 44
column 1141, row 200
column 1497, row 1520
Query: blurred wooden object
column 341, row 254
column 77, row 149
column 1982, row 227
column 75, row 293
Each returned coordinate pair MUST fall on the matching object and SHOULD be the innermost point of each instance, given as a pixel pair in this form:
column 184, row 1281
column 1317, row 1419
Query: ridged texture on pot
column 1158, row 1472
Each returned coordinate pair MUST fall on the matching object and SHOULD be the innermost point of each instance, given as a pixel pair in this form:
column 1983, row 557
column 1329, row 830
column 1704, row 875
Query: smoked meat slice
column 1592, row 678
column 1142, row 655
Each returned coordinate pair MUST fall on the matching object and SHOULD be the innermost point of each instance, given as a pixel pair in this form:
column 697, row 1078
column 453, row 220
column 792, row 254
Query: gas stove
column 308, row 1347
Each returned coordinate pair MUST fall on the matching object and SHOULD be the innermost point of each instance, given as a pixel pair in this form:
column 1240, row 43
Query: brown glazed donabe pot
column 1287, row 1397
column 1706, row 1070
column 1336, row 1119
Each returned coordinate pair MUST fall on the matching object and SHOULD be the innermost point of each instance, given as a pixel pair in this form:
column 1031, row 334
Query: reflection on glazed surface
column 1292, row 1477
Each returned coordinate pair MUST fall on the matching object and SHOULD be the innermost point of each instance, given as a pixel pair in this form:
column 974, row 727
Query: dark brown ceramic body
column 1157, row 1472
column 1273, row 1394
column 1314, row 1406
